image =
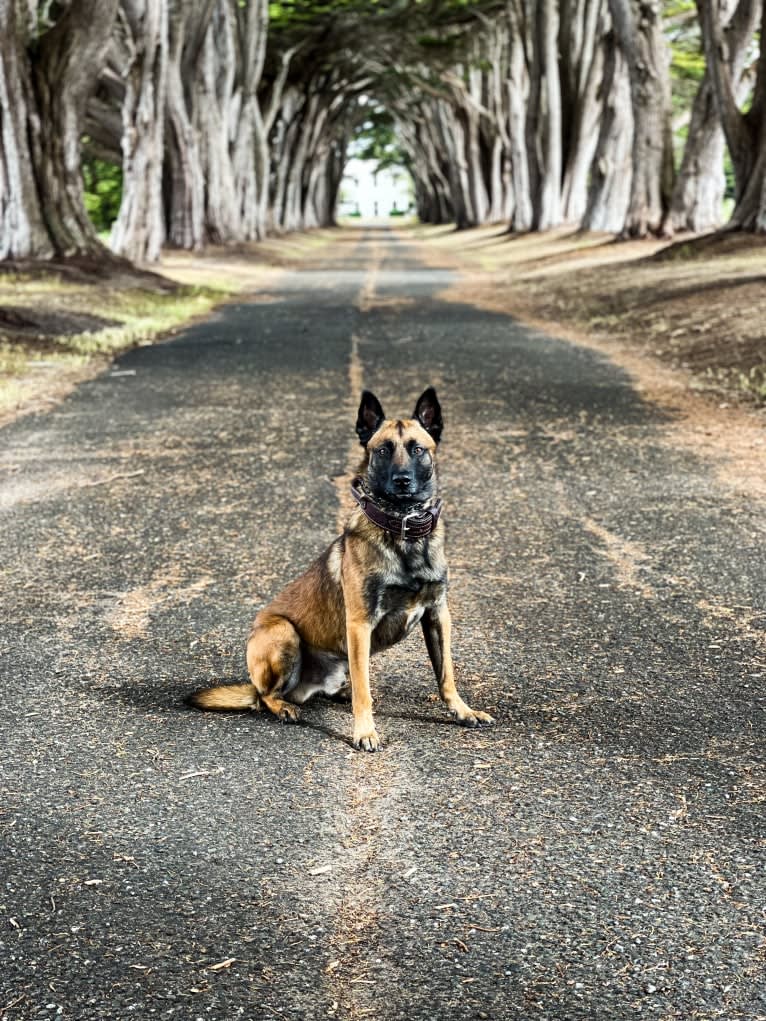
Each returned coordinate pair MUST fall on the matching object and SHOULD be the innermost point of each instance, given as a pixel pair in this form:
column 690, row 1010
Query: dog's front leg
column 358, row 634
column 437, row 631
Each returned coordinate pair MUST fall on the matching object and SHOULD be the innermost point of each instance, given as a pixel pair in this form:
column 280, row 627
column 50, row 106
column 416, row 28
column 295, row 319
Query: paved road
column 597, row 855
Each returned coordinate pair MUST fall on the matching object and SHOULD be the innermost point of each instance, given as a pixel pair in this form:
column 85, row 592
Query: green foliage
column 754, row 383
column 342, row 34
column 375, row 139
column 103, row 191
column 437, row 44
column 687, row 61
column 728, row 172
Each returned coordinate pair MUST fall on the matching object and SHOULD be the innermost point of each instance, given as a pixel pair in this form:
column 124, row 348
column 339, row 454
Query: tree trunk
column 750, row 211
column 519, row 88
column 294, row 195
column 218, row 120
column 474, row 154
column 453, row 143
column 327, row 182
column 611, row 169
column 184, row 184
column 547, row 124
column 286, row 138
column 23, row 233
column 699, row 187
column 498, row 180
column 138, row 232
column 638, row 27
column 41, row 191
column 302, row 141
column 745, row 133
column 581, row 45
column 263, row 123
column 69, row 57
column 432, row 187
column 501, row 186
column 251, row 135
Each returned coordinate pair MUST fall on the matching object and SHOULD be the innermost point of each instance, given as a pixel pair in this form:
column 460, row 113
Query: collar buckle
column 406, row 525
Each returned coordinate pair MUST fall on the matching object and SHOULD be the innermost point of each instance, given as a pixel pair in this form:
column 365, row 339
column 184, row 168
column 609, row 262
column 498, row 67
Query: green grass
column 144, row 316
column 138, row 317
column 36, row 357
column 16, row 361
column 753, row 383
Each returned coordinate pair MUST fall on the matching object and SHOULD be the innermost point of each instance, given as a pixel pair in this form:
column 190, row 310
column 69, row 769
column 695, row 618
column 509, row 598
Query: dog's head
column 401, row 453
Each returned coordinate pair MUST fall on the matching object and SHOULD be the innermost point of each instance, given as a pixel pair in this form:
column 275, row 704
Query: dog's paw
column 283, row 710
column 366, row 740
column 475, row 718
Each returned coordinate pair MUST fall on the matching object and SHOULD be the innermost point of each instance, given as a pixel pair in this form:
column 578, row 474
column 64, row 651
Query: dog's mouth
column 404, row 501
column 395, row 499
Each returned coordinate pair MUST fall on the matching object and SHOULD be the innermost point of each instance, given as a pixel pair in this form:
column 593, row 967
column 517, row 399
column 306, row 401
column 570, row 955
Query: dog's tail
column 226, row 696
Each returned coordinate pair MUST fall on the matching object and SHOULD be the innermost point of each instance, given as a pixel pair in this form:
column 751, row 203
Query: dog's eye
column 418, row 451
column 382, row 452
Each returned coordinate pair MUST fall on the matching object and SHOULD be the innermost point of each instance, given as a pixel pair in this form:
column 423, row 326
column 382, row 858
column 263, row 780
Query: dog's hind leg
column 322, row 673
column 274, row 662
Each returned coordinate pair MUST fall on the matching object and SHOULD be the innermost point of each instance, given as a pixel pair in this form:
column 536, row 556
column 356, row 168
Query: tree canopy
column 186, row 122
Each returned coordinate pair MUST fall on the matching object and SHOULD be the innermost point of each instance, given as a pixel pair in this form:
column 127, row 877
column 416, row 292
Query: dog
column 386, row 573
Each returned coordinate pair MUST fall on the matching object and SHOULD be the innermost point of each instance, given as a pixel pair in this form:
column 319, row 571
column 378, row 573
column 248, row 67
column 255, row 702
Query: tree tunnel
column 188, row 123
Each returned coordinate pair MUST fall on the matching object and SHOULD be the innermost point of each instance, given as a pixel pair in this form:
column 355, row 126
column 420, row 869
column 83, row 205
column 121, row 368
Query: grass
column 143, row 317
column 50, row 347
column 56, row 330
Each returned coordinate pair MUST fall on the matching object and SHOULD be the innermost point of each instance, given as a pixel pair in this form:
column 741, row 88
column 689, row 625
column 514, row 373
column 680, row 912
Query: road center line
column 363, row 302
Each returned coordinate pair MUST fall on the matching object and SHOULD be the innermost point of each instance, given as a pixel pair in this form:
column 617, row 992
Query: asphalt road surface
column 598, row 854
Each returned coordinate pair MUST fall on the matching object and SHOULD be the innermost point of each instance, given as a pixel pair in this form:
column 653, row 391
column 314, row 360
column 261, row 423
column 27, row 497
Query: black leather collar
column 409, row 527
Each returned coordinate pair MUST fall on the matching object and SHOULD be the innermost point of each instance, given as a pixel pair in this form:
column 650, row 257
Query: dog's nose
column 402, row 483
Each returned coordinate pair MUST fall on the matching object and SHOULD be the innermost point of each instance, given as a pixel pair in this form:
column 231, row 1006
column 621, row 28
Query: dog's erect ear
column 370, row 417
column 428, row 412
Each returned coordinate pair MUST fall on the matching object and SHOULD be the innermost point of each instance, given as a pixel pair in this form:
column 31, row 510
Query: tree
column 611, row 168
column 638, row 29
column 142, row 37
column 22, row 230
column 745, row 131
column 223, row 119
column 47, row 75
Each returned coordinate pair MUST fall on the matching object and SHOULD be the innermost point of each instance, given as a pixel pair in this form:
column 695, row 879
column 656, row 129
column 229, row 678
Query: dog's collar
column 408, row 527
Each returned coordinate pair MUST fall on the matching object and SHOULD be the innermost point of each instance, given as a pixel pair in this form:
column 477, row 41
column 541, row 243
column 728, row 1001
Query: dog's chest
column 398, row 597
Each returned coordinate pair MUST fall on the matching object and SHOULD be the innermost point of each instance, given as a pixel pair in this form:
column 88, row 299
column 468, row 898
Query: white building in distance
column 370, row 195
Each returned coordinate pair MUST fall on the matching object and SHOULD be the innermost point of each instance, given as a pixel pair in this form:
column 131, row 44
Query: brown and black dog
column 383, row 575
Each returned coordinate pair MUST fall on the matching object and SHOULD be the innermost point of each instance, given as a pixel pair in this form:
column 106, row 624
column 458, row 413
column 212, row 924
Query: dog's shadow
column 314, row 713
column 314, row 717
column 307, row 718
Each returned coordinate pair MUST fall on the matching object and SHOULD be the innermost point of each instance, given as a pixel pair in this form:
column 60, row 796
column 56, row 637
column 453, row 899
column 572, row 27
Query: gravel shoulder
column 695, row 306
